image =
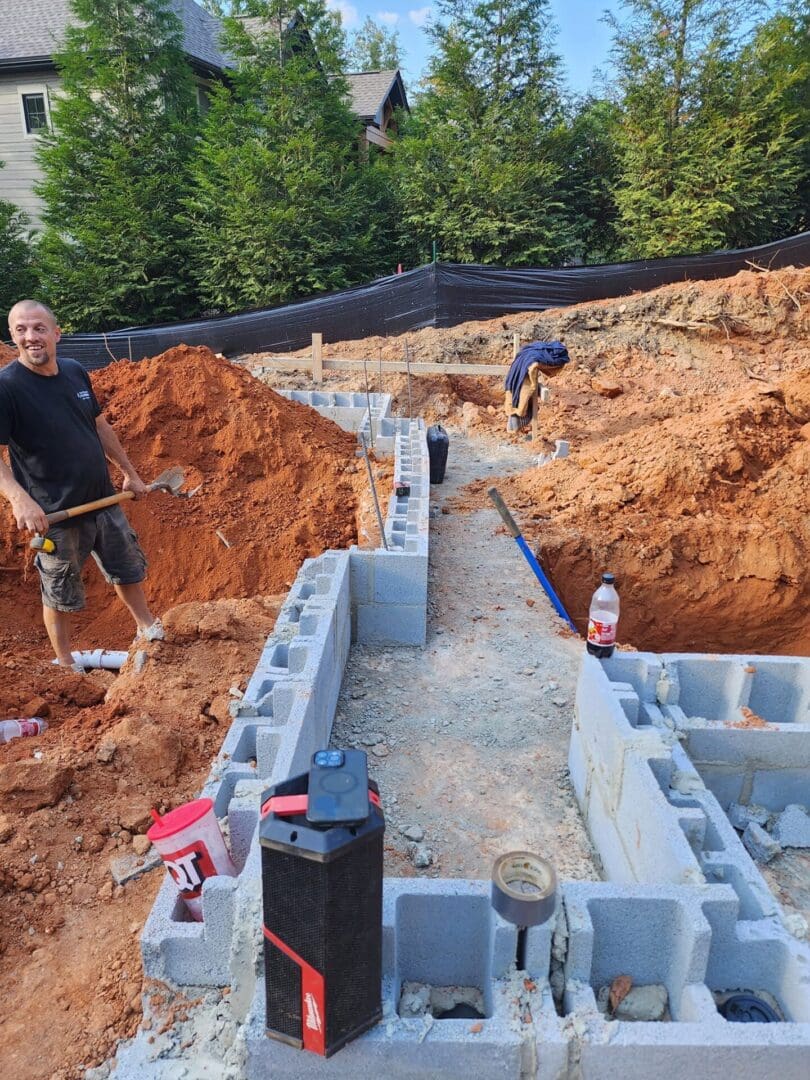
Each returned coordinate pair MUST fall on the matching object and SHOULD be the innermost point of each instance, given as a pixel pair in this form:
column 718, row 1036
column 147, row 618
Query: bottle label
column 30, row 727
column 601, row 633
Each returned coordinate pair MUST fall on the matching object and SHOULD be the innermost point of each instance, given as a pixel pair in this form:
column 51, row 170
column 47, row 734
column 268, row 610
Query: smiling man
column 59, row 444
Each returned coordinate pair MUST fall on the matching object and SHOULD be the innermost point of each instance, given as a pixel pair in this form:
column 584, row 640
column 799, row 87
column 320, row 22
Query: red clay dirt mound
column 705, row 519
column 276, row 482
column 69, row 949
column 7, row 354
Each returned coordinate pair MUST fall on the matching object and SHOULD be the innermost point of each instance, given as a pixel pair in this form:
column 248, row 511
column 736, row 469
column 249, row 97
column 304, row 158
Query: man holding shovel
column 59, row 444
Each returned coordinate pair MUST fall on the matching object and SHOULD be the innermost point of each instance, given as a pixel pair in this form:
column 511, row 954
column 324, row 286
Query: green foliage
column 113, row 250
column 221, row 8
column 18, row 278
column 282, row 205
column 477, row 164
column 373, row 48
column 590, row 170
column 709, row 142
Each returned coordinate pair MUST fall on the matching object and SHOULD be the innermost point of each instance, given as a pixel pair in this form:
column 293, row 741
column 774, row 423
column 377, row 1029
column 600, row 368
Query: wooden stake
column 535, row 413
column 515, row 344
column 317, row 358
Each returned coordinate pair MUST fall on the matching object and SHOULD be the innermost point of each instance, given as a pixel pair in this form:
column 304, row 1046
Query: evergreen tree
column 282, row 205
column 477, row 165
column 373, row 48
column 18, row 277
column 705, row 157
column 113, row 250
column 590, row 169
column 775, row 80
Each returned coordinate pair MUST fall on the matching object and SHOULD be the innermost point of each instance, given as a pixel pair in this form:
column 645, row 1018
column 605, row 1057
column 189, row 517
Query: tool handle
column 503, row 510
column 85, row 508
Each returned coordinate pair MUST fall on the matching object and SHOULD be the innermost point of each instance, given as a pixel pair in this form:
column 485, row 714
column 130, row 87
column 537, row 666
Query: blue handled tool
column 511, row 525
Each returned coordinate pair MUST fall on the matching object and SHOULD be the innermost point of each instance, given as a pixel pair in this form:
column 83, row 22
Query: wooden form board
column 304, row 363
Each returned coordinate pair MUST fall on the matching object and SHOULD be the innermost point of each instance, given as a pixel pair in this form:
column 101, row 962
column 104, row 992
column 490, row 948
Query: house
column 375, row 96
column 31, row 32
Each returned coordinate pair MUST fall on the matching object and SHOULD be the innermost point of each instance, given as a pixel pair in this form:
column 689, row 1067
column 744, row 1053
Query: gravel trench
column 468, row 735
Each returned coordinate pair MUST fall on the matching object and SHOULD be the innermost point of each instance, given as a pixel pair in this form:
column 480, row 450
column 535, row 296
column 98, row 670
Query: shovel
column 171, row 480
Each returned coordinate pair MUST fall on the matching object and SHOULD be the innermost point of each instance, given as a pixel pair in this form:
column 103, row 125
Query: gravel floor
column 468, row 736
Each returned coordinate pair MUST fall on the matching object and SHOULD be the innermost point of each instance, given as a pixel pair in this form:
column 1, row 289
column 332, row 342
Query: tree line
column 157, row 209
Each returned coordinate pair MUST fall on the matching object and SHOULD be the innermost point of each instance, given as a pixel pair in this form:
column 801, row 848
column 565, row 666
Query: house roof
column 369, row 90
column 33, row 37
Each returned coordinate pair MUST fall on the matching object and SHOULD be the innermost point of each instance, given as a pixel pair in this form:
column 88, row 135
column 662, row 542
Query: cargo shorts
column 108, row 537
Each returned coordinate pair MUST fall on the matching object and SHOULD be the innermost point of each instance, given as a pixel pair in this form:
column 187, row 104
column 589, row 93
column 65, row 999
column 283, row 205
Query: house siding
column 20, row 171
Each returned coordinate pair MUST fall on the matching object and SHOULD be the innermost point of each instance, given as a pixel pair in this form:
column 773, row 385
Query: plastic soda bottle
column 603, row 618
column 14, row 729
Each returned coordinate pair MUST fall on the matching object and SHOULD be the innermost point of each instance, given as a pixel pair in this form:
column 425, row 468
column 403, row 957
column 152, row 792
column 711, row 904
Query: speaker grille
column 330, row 914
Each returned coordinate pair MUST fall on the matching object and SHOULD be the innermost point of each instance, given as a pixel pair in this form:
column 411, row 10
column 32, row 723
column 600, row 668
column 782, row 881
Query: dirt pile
column 7, row 354
column 275, row 480
column 690, row 320
column 704, row 518
column 82, row 804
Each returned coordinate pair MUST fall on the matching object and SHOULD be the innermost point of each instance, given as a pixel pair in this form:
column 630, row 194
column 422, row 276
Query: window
column 203, row 99
column 35, row 113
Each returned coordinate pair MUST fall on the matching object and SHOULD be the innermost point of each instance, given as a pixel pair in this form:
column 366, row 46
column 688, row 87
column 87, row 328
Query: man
column 58, row 444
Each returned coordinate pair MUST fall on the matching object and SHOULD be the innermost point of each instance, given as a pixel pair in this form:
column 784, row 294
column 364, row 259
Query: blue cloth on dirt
column 550, row 353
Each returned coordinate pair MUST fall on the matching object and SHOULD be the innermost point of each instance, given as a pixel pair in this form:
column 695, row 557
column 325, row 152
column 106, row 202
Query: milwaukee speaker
column 321, row 837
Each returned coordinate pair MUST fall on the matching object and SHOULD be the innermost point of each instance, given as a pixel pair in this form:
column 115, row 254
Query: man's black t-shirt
column 49, row 425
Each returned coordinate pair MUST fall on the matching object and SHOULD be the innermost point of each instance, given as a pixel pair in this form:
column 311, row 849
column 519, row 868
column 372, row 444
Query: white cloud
column 390, row 18
column 420, row 16
column 347, row 12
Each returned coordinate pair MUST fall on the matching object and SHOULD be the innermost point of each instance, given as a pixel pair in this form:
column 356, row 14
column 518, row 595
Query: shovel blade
column 171, row 480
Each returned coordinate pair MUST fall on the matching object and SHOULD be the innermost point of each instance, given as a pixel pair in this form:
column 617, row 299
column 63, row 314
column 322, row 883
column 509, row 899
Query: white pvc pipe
column 99, row 658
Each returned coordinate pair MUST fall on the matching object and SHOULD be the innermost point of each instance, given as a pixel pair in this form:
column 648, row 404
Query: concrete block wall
column 689, row 940
column 348, row 410
column 653, row 781
column 389, row 587
column 285, row 715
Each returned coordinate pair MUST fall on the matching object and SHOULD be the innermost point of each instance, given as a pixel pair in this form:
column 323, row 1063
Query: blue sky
column 583, row 41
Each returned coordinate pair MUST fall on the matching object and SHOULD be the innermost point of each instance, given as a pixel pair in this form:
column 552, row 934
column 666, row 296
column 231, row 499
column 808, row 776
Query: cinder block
column 742, row 816
column 777, row 788
column 391, row 624
column 400, row 578
column 792, row 828
column 759, row 844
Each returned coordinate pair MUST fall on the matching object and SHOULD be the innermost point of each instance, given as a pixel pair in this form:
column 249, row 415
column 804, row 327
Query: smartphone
column 338, row 788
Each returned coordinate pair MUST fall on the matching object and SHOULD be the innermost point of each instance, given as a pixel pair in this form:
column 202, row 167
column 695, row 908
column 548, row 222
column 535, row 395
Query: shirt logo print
column 83, row 395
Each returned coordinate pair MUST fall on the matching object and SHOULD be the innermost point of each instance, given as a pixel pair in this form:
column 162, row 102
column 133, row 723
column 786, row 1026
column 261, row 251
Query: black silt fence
column 440, row 294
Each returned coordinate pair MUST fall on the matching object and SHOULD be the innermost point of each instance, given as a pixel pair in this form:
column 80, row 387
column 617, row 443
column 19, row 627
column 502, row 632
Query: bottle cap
column 608, row 579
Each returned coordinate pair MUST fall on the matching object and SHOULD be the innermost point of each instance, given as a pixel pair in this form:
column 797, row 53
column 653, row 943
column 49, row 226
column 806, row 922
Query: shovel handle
column 503, row 510
column 85, row 508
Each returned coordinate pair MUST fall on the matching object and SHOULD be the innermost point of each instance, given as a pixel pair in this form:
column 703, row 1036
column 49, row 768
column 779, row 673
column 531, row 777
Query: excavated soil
column 278, row 483
column 686, row 410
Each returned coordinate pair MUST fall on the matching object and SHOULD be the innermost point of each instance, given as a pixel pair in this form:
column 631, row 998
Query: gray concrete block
column 777, row 788
column 399, row 578
column 759, row 844
column 792, row 828
column 741, row 816
column 391, row 624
